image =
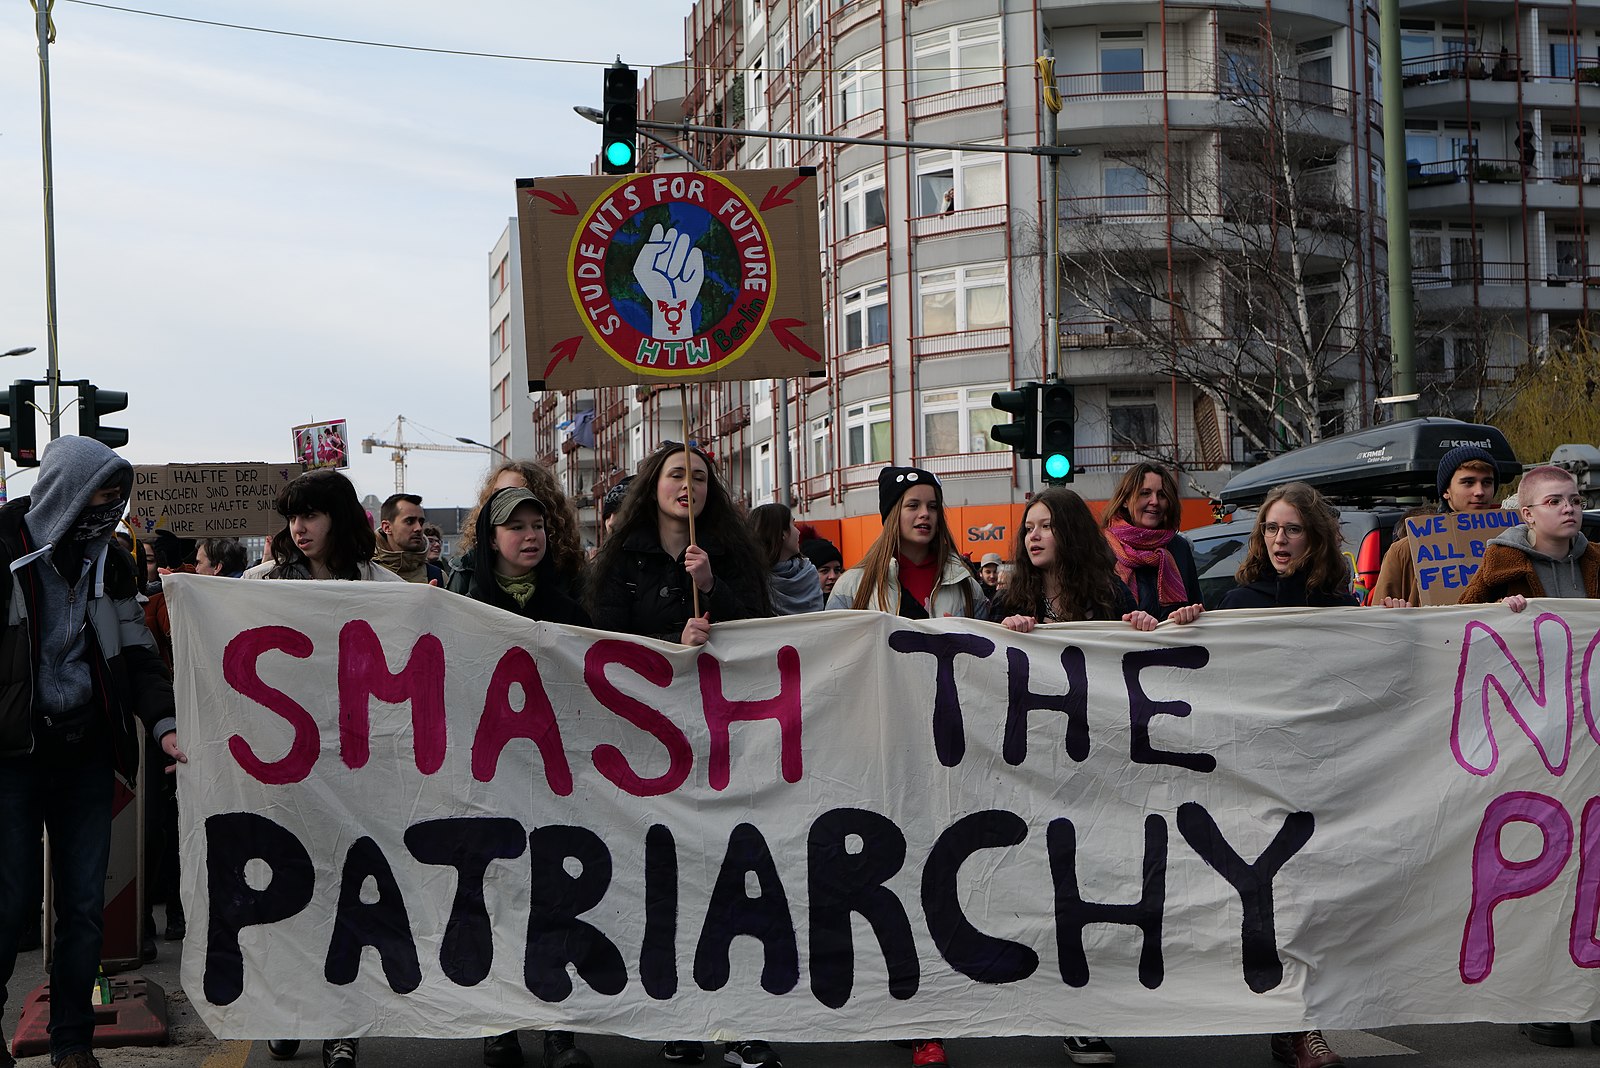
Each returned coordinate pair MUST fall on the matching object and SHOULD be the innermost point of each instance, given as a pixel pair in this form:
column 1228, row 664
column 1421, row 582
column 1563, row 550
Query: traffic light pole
column 53, row 374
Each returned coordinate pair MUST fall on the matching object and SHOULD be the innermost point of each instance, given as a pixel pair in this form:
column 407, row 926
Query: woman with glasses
column 1294, row 560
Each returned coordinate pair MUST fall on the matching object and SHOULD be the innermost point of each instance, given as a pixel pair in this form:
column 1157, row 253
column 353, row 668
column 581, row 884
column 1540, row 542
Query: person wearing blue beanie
column 1466, row 482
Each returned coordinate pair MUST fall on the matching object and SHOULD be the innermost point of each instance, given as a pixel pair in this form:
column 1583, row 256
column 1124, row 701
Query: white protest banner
column 409, row 814
column 1447, row 549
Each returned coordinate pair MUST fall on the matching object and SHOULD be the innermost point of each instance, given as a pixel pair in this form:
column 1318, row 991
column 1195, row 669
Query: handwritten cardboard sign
column 209, row 500
column 656, row 278
column 1447, row 549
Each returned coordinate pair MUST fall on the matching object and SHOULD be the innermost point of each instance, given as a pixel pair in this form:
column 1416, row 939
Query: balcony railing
column 962, row 342
column 853, row 14
column 864, row 359
column 1107, row 84
column 1122, row 208
column 952, row 100
column 857, row 244
column 955, row 222
column 1490, row 66
column 1483, row 273
column 730, row 421
column 967, row 463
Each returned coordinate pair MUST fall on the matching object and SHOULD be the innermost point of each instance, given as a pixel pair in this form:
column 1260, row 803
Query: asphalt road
column 1439, row 1046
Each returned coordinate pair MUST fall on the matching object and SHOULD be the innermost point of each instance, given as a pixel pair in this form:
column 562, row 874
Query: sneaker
column 340, row 1053
column 1304, row 1049
column 1087, row 1049
column 502, row 1051
column 1550, row 1034
column 281, row 1049
column 81, row 1059
column 751, row 1055
column 561, row 1051
column 927, row 1053
column 684, row 1052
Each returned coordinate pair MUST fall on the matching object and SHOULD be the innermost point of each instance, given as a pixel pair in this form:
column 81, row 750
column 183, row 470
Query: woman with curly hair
column 561, row 523
column 1064, row 571
column 1294, row 559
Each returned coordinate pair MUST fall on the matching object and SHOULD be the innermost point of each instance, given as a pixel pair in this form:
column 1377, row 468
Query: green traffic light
column 619, row 153
column 1057, row 466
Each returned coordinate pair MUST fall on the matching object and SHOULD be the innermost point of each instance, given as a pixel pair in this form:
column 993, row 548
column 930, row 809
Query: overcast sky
column 255, row 231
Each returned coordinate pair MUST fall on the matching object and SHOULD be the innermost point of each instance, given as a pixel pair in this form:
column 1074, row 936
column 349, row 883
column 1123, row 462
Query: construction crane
column 401, row 446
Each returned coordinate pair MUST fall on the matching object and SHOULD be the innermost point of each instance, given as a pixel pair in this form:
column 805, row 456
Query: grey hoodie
column 1559, row 575
column 70, row 472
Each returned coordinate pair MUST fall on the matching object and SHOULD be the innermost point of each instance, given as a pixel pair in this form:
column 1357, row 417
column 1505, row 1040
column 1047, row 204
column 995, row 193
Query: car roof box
column 1393, row 460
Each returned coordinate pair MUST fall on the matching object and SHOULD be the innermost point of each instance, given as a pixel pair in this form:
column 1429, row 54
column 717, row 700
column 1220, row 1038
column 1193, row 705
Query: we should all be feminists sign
column 406, row 813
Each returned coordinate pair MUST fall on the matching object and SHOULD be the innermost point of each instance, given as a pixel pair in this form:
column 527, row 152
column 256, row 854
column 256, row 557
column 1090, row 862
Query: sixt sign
column 988, row 532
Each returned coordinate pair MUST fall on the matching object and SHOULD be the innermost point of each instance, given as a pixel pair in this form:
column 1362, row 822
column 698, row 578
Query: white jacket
column 956, row 594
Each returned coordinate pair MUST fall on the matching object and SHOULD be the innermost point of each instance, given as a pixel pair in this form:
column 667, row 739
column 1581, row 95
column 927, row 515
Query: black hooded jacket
column 650, row 594
column 128, row 678
column 1289, row 591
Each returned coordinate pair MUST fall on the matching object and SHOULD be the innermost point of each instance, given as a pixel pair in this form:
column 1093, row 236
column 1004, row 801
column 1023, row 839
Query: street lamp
column 481, row 445
column 594, row 116
column 23, row 351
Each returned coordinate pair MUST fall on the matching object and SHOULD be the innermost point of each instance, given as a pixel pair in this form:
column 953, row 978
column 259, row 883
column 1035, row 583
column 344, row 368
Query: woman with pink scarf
column 1155, row 561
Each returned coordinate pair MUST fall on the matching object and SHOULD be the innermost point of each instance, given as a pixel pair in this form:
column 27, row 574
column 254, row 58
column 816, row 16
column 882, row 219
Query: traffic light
column 619, row 117
column 94, row 402
column 1058, row 416
column 1022, row 433
column 21, row 438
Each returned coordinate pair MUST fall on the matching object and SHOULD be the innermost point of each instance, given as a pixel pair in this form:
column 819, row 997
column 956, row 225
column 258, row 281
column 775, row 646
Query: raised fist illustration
column 670, row 270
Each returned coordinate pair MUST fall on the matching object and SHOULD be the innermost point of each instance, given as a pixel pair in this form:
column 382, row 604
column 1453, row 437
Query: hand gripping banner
column 406, row 813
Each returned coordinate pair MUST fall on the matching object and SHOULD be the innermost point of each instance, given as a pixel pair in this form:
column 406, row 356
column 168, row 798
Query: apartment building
column 1207, row 133
column 1503, row 144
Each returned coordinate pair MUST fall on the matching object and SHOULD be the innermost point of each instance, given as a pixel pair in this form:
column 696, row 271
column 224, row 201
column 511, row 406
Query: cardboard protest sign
column 407, row 813
column 322, row 444
column 209, row 500
column 1447, row 549
column 705, row 277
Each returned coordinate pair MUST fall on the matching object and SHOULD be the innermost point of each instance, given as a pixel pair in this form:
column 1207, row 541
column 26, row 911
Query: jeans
column 74, row 805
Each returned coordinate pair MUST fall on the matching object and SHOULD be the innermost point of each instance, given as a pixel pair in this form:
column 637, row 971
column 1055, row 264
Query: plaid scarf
column 1137, row 547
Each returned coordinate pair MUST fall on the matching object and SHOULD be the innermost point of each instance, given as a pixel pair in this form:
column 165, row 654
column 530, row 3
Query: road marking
column 231, row 1055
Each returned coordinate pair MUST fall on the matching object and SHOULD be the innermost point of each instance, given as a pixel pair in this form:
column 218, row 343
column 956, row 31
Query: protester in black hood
column 75, row 670
column 827, row 559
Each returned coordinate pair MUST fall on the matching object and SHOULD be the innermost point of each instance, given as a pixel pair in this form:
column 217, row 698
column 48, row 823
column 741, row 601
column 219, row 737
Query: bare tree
column 1229, row 260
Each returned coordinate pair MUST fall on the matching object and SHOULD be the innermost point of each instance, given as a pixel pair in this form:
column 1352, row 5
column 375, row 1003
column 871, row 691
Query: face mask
column 95, row 523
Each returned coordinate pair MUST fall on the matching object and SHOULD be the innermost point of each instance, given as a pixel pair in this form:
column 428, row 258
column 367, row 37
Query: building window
column 821, row 446
column 499, row 277
column 866, row 429
column 1571, row 255
column 956, row 57
column 860, row 87
column 1126, row 190
column 502, row 334
column 861, row 196
column 758, row 81
column 959, row 420
column 1563, row 55
column 962, row 298
column 1122, row 61
column 955, row 181
column 866, row 317
column 1133, row 418
column 811, row 116
column 502, row 394
column 810, row 19
column 761, row 478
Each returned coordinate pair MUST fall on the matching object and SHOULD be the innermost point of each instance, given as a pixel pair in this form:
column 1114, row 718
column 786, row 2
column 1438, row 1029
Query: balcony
column 857, row 360
column 1498, row 187
column 1496, row 83
column 734, row 420
column 855, row 245
column 1503, row 286
column 996, row 462
column 851, row 15
column 962, row 342
column 966, row 222
column 1134, row 101
column 954, row 100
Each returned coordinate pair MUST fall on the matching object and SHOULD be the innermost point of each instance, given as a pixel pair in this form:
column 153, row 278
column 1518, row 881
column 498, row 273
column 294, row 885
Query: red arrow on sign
column 564, row 350
column 562, row 204
column 777, row 198
column 783, row 330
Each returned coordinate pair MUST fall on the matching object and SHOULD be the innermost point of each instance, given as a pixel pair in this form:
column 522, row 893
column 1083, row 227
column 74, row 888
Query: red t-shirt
column 919, row 579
